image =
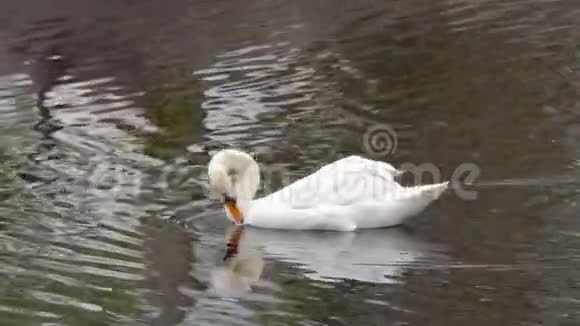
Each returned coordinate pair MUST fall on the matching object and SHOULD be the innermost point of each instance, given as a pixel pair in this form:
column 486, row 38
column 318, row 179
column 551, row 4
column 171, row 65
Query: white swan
column 349, row 194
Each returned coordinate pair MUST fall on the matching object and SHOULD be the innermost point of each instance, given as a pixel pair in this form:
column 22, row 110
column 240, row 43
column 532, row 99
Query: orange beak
column 235, row 211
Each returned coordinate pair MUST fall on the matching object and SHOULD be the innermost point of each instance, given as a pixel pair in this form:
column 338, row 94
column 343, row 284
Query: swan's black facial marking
column 229, row 200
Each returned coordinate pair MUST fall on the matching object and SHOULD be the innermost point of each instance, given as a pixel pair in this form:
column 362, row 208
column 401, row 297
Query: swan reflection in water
column 241, row 268
column 374, row 256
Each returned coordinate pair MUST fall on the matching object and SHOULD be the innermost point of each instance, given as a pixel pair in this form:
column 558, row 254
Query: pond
column 107, row 109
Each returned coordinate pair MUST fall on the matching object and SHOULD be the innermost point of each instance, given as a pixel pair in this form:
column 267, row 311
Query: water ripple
column 97, row 110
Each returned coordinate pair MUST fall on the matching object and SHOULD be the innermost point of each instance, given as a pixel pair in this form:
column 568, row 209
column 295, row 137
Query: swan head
column 234, row 176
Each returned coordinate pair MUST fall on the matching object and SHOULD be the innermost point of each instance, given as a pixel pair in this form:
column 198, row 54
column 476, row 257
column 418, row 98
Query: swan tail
column 435, row 190
column 424, row 193
column 419, row 197
column 399, row 206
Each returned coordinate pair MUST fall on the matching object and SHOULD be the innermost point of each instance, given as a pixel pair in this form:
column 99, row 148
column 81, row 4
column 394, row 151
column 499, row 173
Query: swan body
column 349, row 194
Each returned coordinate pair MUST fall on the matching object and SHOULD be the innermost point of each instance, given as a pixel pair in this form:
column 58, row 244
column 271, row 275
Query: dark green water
column 105, row 106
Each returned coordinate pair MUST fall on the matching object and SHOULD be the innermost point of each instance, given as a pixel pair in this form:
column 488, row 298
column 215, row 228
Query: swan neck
column 245, row 206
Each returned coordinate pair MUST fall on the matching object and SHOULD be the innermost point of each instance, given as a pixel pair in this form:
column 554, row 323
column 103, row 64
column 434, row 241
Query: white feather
column 349, row 194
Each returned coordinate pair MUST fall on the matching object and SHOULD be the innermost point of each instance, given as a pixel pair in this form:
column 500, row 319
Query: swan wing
column 344, row 182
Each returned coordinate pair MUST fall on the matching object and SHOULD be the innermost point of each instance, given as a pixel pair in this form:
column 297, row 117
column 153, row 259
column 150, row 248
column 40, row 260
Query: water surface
column 105, row 108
